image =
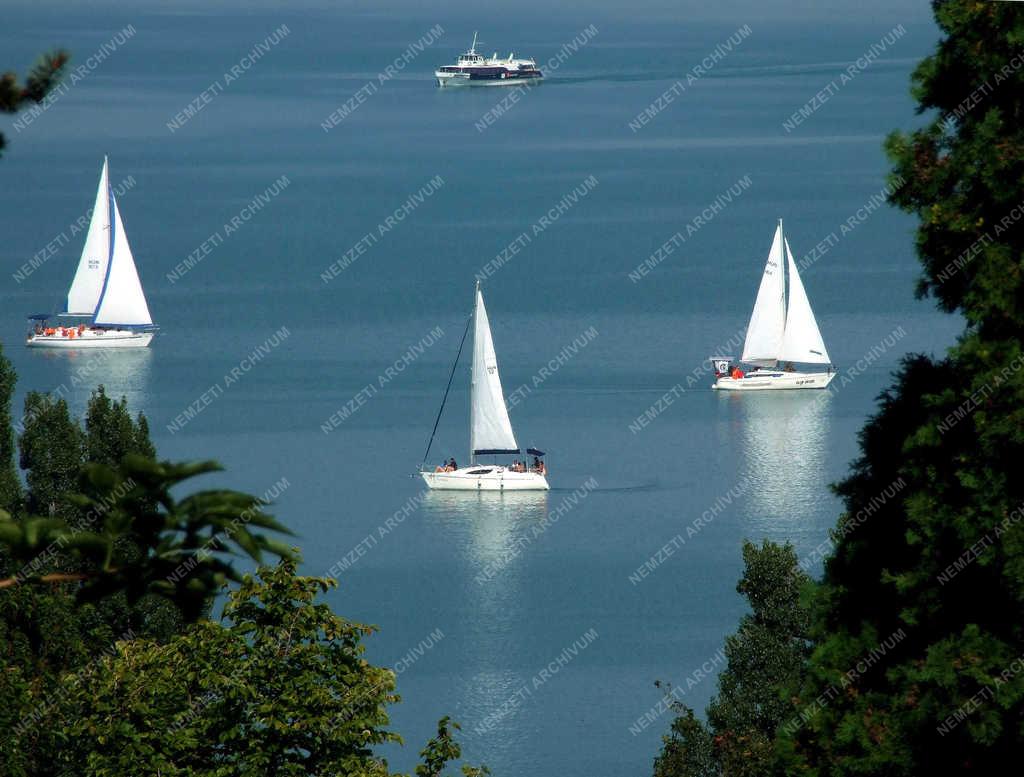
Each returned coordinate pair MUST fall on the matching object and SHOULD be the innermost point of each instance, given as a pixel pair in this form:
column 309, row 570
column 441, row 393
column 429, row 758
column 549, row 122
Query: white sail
column 84, row 293
column 490, row 427
column 768, row 319
column 802, row 340
column 122, row 302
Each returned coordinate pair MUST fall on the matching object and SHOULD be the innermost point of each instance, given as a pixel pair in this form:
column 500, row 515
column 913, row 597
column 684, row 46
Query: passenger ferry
column 474, row 69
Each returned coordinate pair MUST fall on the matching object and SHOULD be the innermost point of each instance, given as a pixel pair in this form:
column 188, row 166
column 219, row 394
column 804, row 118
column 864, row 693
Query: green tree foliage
column 135, row 537
column 55, row 448
column 279, row 686
column 74, row 558
column 47, row 638
column 110, row 435
column 43, row 77
column 42, row 632
column 52, row 454
column 110, row 432
column 442, row 750
column 10, row 486
column 688, row 750
column 99, row 511
column 939, row 560
column 962, row 171
column 765, row 657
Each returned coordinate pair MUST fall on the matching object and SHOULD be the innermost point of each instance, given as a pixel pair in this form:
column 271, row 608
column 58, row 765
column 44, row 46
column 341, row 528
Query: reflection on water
column 74, row 374
column 782, row 439
column 492, row 524
column 495, row 534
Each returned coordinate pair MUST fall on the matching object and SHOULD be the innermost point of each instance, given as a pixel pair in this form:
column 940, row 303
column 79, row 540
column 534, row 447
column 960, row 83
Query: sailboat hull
column 111, row 338
column 485, row 478
column 774, row 380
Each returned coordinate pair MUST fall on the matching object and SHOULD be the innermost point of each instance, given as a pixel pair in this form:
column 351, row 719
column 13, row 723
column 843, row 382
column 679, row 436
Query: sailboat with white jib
column 778, row 333
column 105, row 307
column 490, row 429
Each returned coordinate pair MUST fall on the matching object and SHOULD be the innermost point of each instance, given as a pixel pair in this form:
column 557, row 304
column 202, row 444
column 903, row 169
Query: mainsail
column 84, row 294
column 768, row 319
column 802, row 340
column 490, row 427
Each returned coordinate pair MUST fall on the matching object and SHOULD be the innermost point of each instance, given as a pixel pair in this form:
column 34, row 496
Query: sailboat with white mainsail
column 106, row 307
column 490, row 429
column 778, row 333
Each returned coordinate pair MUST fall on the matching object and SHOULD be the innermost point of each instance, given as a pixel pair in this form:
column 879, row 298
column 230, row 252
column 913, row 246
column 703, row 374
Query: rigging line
column 447, row 389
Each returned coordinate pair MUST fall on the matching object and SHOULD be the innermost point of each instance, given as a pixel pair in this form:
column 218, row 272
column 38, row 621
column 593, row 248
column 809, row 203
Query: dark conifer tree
column 941, row 562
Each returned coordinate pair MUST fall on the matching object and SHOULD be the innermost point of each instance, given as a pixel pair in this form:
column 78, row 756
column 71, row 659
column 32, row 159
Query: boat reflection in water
column 492, row 528
column 122, row 372
column 493, row 537
column 783, row 445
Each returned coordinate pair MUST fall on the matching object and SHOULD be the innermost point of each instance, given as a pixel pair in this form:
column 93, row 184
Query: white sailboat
column 106, row 307
column 490, row 429
column 778, row 333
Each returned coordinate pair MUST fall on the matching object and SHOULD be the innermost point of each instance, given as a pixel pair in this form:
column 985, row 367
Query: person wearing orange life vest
column 737, row 373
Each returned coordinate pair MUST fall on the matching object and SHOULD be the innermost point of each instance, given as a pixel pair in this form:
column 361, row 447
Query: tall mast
column 785, row 285
column 472, row 369
column 782, row 269
column 472, row 50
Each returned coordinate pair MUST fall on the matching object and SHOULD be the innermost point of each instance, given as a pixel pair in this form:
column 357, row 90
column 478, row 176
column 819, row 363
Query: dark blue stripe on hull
column 494, row 73
column 508, row 76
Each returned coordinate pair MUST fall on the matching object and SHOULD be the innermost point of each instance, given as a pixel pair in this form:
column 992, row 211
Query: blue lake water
column 529, row 631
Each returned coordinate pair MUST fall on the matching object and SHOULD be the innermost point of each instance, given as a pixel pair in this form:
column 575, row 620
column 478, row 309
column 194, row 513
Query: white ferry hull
column 774, row 380
column 452, row 79
column 463, row 79
column 111, row 338
column 494, row 479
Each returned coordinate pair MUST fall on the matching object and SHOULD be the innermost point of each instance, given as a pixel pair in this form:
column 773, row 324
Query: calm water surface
column 476, row 595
